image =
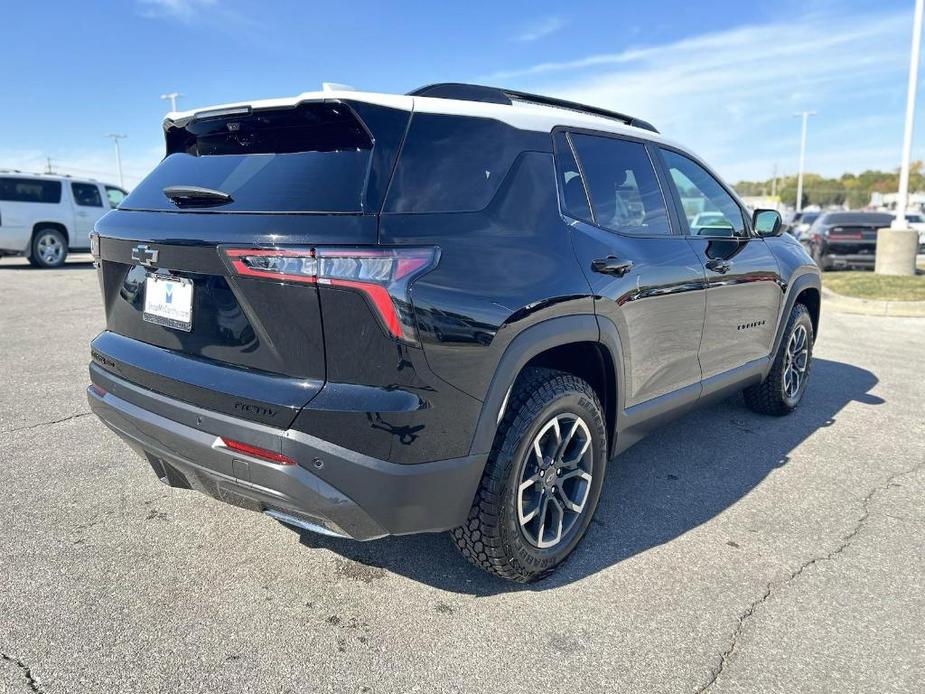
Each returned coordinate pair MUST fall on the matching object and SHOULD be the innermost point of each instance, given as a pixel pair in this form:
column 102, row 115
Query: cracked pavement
column 731, row 552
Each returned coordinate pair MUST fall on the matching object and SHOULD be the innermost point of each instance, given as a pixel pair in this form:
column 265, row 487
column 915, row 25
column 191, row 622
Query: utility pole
column 115, row 142
column 774, row 181
column 48, row 168
column 898, row 244
column 805, row 116
column 172, row 98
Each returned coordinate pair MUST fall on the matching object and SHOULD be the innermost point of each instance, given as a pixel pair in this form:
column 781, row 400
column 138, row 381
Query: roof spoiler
column 499, row 95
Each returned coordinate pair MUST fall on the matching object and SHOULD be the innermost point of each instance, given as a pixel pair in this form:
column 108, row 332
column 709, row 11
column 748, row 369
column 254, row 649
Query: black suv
column 368, row 314
column 842, row 240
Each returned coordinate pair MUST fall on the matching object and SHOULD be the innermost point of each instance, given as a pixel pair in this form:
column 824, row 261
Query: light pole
column 172, row 98
column 902, row 199
column 897, row 245
column 805, row 116
column 115, row 141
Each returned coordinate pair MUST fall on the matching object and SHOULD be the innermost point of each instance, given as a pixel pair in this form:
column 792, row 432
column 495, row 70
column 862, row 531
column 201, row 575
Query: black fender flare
column 532, row 341
column 807, row 280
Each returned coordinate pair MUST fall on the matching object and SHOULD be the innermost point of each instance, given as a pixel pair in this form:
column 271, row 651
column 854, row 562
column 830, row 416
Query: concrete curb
column 871, row 307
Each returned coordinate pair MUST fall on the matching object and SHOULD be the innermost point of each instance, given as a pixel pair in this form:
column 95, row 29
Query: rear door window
column 30, row 190
column 622, row 184
column 311, row 158
column 86, row 194
column 573, row 193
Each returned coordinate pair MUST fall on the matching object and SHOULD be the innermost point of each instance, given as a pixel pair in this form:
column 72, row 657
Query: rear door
column 89, row 205
column 645, row 279
column 181, row 320
column 744, row 286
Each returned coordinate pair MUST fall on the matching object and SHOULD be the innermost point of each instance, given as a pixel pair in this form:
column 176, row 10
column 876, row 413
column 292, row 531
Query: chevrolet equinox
column 367, row 314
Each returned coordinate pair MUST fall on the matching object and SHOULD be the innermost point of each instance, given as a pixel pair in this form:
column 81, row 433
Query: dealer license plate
column 169, row 301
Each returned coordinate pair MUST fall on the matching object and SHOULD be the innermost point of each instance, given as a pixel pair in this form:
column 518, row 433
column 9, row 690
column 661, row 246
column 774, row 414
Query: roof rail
column 499, row 95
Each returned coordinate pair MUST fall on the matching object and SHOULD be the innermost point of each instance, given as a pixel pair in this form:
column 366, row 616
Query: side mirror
column 767, row 222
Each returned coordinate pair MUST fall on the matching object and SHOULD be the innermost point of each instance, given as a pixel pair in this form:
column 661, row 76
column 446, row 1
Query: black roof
column 499, row 95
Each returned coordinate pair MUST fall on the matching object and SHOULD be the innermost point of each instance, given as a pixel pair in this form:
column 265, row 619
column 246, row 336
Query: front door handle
column 611, row 265
column 719, row 265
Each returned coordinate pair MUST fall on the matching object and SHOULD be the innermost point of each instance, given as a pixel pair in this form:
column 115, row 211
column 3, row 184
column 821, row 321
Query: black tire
column 823, row 264
column 492, row 537
column 48, row 248
column 776, row 395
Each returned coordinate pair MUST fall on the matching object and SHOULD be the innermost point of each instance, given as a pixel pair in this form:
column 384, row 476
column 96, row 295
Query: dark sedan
column 839, row 240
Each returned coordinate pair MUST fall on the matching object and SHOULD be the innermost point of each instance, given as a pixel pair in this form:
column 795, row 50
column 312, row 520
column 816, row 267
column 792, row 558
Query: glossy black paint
column 671, row 319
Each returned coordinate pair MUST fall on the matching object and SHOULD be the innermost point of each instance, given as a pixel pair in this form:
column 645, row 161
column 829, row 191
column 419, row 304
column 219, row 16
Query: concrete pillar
column 896, row 251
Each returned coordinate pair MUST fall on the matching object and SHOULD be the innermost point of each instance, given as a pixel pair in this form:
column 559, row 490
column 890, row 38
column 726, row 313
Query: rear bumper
column 331, row 489
column 850, row 259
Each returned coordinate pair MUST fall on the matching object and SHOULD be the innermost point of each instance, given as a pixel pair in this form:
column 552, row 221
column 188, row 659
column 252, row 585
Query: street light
column 172, row 97
column 902, row 199
column 115, row 142
column 898, row 244
column 805, row 116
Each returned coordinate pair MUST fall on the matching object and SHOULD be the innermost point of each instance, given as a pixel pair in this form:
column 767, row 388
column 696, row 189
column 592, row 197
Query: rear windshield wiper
column 194, row 196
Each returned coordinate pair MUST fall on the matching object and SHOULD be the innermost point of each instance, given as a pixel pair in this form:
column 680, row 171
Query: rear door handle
column 611, row 265
column 719, row 265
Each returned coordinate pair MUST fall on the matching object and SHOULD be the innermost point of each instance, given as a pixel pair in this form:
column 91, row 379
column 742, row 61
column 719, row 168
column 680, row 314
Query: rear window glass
column 86, row 195
column 30, row 190
column 456, row 163
column 312, row 158
column 865, row 218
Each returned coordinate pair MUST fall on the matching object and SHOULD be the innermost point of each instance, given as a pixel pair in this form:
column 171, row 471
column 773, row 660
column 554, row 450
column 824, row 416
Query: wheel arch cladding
column 810, row 297
column 38, row 226
column 569, row 343
column 806, row 288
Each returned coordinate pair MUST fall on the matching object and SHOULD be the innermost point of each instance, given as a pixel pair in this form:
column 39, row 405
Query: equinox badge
column 144, row 255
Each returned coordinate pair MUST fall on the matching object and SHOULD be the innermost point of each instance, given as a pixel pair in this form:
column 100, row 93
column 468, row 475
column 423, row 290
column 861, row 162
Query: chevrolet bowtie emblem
column 144, row 255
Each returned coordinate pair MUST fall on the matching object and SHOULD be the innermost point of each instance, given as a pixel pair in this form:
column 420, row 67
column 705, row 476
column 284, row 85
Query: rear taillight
column 839, row 233
column 384, row 275
column 95, row 245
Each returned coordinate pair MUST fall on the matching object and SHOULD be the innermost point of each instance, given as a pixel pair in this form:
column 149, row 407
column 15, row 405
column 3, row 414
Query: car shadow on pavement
column 671, row 482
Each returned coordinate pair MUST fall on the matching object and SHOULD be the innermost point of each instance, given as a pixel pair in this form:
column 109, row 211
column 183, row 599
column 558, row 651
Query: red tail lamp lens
column 384, row 275
column 257, row 452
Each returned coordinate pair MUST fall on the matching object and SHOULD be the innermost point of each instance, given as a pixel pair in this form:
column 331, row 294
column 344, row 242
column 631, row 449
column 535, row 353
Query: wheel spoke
column 580, row 489
column 526, row 517
column 541, row 530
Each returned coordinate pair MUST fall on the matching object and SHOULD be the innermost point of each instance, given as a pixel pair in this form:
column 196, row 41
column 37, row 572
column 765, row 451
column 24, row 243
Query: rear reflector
column 256, row 452
column 97, row 391
column 384, row 275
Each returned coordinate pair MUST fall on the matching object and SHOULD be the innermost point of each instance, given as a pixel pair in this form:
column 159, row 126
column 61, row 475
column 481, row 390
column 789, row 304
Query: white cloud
column 184, row 10
column 730, row 94
column 541, row 29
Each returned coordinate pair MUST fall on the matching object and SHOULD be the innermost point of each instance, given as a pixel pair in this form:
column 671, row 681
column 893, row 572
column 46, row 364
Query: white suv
column 43, row 216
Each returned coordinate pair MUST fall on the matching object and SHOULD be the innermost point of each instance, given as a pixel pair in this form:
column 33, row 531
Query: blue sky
column 722, row 77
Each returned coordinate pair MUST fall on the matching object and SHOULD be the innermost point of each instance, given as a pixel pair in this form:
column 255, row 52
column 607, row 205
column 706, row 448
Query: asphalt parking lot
column 731, row 552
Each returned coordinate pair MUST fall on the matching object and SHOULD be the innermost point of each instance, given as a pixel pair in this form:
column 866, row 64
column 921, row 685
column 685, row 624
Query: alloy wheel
column 796, row 360
column 50, row 249
column 555, row 480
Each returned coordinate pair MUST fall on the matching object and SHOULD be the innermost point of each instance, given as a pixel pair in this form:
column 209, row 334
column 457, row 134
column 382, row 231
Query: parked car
column 800, row 224
column 368, row 314
column 839, row 240
column 43, row 217
column 917, row 221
